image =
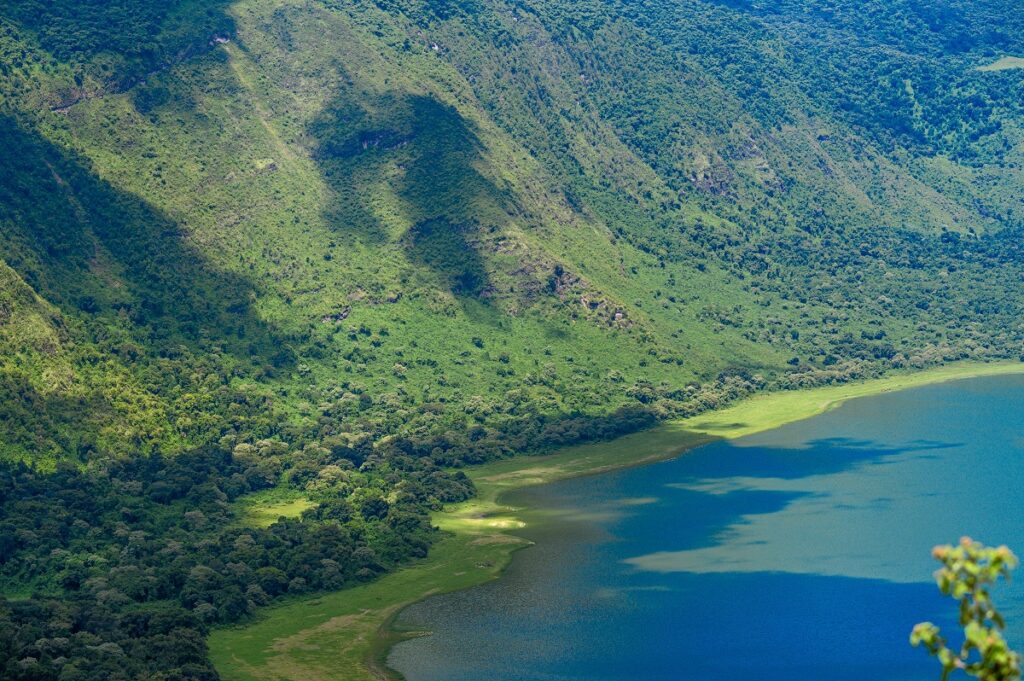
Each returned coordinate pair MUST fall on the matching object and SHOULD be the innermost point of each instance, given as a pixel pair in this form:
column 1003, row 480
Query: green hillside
column 335, row 248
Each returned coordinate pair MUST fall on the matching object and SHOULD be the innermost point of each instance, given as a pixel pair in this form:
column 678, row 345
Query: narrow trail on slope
column 240, row 69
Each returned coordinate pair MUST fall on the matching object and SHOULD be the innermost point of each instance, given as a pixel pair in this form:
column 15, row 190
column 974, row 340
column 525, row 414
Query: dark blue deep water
column 797, row 554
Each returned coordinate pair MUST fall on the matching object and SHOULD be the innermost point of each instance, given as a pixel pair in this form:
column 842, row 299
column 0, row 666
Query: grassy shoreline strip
column 771, row 410
column 345, row 635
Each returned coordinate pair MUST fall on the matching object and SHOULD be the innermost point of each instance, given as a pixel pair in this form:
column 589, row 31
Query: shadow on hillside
column 82, row 244
column 397, row 159
column 37, row 428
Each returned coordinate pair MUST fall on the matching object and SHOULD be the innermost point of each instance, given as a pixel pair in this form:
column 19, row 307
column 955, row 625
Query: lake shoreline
column 349, row 634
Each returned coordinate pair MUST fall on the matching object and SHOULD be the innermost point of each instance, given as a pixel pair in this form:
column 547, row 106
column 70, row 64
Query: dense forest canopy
column 333, row 251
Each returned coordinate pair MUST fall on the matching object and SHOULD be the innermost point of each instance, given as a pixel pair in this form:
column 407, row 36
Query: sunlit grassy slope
column 352, row 203
column 294, row 204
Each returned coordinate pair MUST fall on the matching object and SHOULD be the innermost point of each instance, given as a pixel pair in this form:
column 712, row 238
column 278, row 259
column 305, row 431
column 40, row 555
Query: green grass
column 262, row 509
column 771, row 410
column 345, row 635
column 1004, row 64
column 338, row 636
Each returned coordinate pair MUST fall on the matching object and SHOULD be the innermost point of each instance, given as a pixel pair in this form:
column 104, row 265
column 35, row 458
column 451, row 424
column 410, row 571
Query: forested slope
column 336, row 247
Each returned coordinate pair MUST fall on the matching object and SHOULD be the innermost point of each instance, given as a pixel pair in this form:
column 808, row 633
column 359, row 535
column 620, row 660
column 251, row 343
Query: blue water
column 797, row 554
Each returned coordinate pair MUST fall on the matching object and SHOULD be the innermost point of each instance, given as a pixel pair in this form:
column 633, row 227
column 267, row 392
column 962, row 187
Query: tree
column 966, row 573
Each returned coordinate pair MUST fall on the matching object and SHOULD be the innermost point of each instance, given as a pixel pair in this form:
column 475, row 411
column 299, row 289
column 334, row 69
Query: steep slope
column 570, row 189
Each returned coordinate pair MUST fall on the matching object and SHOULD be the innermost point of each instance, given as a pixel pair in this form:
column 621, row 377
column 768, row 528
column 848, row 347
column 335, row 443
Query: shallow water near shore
column 799, row 553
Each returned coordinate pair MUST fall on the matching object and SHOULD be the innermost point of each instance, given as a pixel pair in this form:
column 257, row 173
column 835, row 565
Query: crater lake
column 801, row 553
